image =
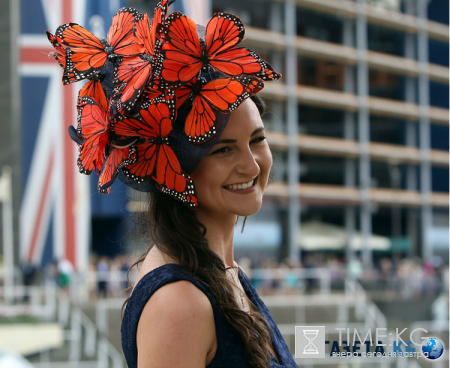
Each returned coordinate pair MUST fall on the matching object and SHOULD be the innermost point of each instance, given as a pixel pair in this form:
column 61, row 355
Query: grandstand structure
column 359, row 122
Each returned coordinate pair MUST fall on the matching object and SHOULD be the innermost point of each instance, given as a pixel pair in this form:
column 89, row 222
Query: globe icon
column 433, row 347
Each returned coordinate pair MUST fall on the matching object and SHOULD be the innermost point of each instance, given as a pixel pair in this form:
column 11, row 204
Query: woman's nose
column 246, row 163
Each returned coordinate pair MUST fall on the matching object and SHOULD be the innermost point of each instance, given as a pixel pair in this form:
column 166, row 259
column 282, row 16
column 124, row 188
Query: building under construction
column 359, row 122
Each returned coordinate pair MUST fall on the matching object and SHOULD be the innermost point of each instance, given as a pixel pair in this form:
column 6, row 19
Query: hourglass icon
column 310, row 348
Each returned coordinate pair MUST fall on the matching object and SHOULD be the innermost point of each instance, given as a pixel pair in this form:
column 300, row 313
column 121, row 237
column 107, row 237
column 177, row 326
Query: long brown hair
column 175, row 230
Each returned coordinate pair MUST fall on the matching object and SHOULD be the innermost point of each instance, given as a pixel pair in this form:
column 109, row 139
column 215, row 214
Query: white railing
column 52, row 303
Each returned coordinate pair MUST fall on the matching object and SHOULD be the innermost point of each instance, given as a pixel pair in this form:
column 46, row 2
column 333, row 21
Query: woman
column 178, row 326
column 171, row 108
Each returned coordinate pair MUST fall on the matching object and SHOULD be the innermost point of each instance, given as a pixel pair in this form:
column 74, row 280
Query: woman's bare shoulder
column 176, row 327
column 154, row 259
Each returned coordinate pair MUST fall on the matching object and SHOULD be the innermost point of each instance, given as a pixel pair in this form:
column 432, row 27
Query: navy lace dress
column 230, row 348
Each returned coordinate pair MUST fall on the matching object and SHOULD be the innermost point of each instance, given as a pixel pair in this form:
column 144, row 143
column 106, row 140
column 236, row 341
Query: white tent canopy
column 315, row 235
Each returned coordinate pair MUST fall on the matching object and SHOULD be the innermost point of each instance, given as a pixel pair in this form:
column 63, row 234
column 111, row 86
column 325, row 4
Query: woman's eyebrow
column 260, row 129
column 256, row 131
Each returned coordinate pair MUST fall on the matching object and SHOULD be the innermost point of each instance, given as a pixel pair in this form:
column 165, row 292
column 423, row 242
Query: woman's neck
column 220, row 235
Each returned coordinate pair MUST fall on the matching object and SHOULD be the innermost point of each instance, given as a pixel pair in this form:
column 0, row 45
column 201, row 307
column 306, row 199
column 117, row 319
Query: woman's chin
column 249, row 209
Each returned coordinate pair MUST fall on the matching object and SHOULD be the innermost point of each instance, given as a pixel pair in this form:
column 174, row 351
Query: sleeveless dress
column 230, row 351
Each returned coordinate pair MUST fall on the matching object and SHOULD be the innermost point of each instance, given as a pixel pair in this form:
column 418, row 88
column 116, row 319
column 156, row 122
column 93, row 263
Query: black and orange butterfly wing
column 93, row 129
column 117, row 159
column 154, row 122
column 60, row 53
column 85, row 53
column 181, row 52
column 160, row 14
column 143, row 33
column 121, row 35
column 171, row 179
column 184, row 92
column 222, row 34
column 222, row 94
column 241, row 60
column 201, row 122
column 146, row 34
column 151, row 93
column 134, row 72
column 142, row 170
column 155, row 117
column 94, row 89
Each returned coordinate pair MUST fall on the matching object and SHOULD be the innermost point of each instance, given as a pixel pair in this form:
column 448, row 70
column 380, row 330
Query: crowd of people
column 409, row 277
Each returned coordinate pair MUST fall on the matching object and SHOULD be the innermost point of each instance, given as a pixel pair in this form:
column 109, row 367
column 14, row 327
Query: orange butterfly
column 86, row 54
column 118, row 158
column 156, row 159
column 222, row 94
column 135, row 71
column 93, row 130
column 94, row 89
column 185, row 55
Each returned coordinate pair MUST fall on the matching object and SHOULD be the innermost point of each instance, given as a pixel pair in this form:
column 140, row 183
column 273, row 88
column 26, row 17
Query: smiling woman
column 192, row 305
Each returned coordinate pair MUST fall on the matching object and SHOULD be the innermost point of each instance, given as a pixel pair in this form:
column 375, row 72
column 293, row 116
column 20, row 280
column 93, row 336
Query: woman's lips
column 244, row 191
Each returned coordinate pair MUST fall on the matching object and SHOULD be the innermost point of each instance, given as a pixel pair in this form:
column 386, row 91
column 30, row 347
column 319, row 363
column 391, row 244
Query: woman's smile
column 242, row 188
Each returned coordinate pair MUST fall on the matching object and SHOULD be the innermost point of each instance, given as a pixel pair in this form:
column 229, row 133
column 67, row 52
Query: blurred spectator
column 124, row 268
column 292, row 282
column 114, row 284
column 102, row 277
column 65, row 270
column 354, row 268
column 92, row 277
column 265, row 284
column 51, row 271
column 310, row 263
column 28, row 273
column 385, row 274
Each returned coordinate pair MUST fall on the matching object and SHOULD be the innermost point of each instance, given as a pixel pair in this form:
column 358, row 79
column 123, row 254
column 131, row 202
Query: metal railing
column 51, row 303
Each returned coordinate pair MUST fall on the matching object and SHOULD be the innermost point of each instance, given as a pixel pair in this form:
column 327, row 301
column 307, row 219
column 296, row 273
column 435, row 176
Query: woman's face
column 231, row 178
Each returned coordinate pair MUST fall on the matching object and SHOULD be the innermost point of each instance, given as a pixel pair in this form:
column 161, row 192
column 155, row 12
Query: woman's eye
column 259, row 139
column 221, row 150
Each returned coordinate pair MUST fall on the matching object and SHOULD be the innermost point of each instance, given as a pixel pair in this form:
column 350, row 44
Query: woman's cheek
column 266, row 161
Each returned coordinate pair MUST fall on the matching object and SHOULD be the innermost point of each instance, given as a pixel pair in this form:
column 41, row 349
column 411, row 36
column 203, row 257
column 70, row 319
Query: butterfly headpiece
column 159, row 94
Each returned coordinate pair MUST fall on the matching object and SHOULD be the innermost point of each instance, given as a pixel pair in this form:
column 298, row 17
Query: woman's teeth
column 240, row 186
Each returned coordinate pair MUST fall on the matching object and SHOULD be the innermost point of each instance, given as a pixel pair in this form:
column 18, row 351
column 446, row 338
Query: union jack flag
column 54, row 217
